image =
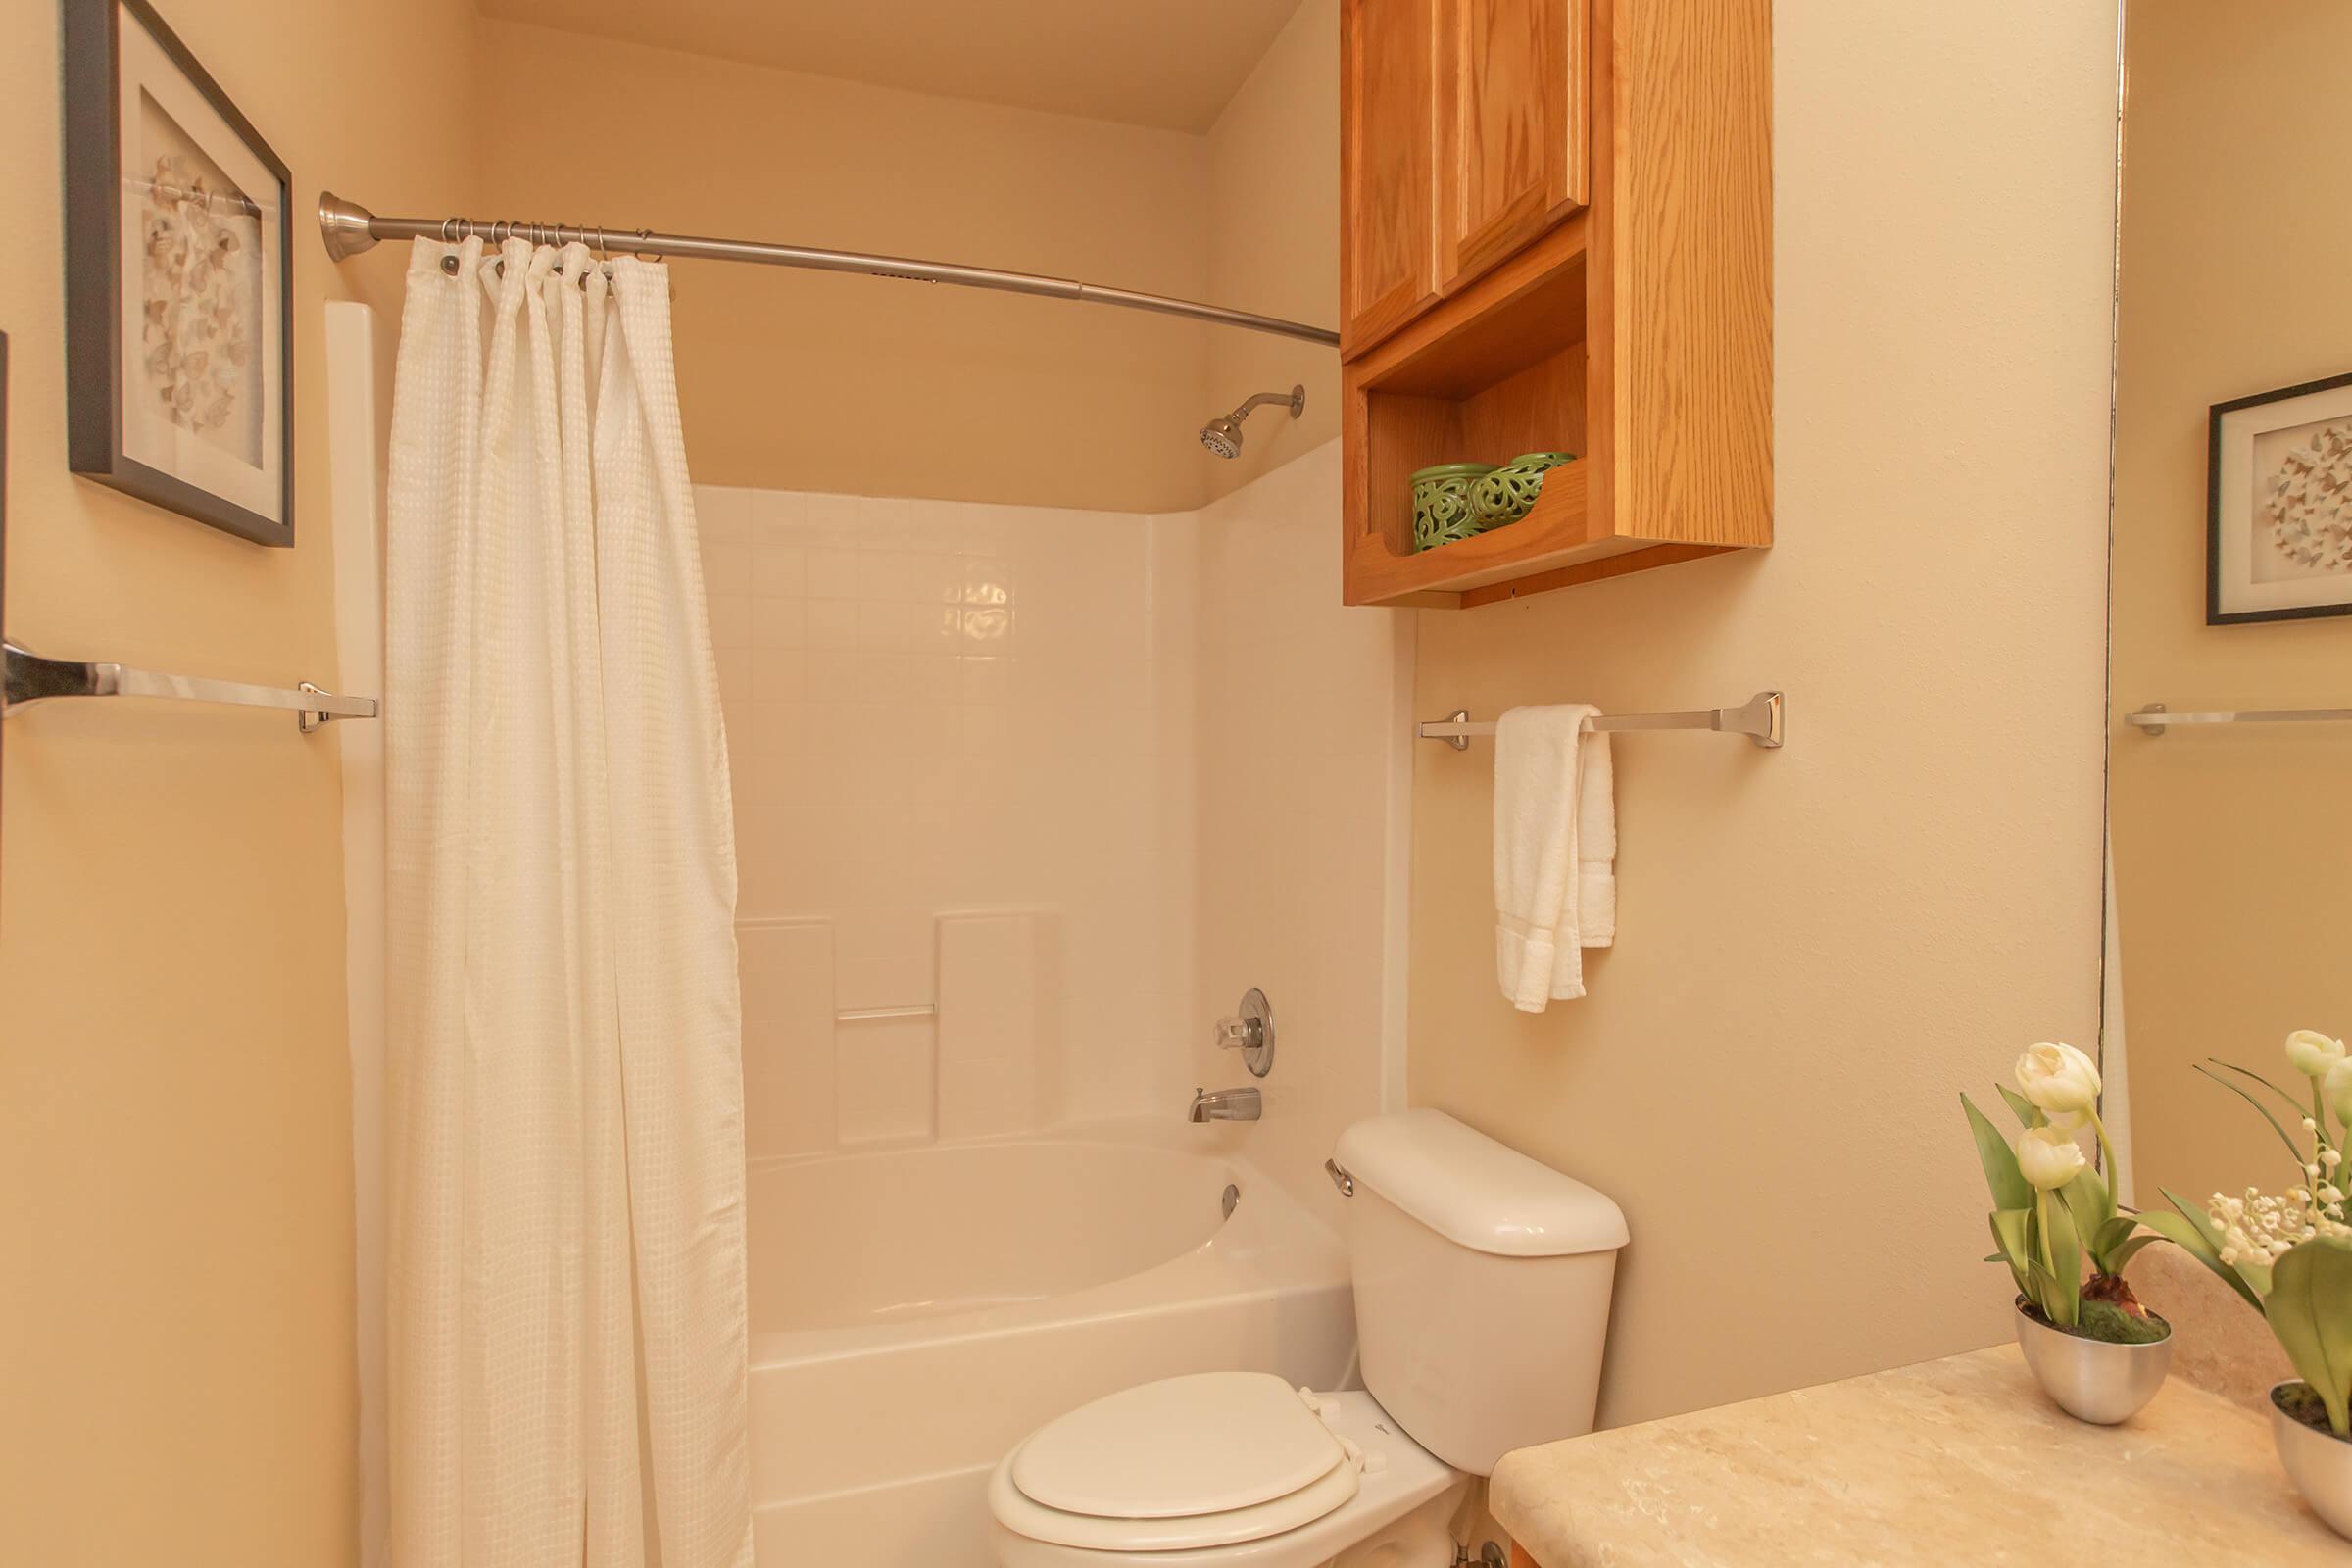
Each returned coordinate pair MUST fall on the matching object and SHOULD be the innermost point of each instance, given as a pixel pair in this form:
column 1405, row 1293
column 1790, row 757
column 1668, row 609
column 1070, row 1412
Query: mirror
column 2232, row 576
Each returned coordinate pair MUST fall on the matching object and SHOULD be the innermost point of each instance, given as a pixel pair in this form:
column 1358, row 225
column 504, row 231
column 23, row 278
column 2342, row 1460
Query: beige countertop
column 1958, row 1460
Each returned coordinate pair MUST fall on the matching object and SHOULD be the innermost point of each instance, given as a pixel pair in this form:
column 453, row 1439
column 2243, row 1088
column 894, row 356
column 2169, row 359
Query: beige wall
column 175, row 1197
column 808, row 381
column 1821, row 947
column 1274, row 242
column 816, row 381
column 2226, row 860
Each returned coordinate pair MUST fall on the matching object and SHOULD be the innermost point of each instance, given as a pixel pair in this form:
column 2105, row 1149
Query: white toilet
column 1481, row 1301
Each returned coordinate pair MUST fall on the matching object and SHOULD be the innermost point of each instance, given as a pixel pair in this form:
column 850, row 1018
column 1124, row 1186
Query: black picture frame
column 2215, row 418
column 94, row 282
column 3, row 516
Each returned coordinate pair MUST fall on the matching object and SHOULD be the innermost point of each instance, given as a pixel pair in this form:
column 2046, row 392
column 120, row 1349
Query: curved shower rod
column 350, row 228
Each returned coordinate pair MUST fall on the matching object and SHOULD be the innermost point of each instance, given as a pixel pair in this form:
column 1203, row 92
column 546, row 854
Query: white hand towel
column 1555, row 845
column 1596, row 843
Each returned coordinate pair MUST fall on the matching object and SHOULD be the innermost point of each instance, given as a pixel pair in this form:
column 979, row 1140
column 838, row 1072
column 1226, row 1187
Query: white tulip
column 2313, row 1053
column 2048, row 1158
column 2337, row 1089
column 2058, row 1078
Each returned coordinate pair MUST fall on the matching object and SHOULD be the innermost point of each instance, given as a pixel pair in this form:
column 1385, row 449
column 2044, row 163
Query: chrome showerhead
column 1224, row 436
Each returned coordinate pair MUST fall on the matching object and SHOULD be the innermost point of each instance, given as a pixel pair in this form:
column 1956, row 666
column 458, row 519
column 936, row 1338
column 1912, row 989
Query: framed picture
column 2278, row 505
column 3, row 499
column 180, row 281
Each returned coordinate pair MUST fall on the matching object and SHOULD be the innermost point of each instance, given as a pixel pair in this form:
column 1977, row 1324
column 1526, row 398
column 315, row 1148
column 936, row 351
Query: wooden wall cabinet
column 1388, row 144
column 1511, row 128
column 1599, row 280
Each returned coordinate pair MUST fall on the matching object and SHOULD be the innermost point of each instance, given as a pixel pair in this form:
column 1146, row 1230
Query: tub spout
column 1225, row 1105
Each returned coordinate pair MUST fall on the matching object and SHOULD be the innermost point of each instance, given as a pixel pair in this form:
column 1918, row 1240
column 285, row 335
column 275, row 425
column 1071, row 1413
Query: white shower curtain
column 567, row 1322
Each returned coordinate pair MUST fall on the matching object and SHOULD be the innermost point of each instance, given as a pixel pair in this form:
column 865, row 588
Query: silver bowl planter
column 2318, row 1463
column 2092, row 1380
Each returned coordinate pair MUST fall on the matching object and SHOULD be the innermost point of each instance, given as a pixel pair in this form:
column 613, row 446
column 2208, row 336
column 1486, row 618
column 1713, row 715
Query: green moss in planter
column 2102, row 1321
column 2110, row 1325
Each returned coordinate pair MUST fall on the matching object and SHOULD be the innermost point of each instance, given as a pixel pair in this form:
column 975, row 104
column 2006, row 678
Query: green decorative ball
column 1509, row 493
column 1442, row 511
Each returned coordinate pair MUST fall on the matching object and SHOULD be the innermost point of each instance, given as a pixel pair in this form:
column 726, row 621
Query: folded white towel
column 1596, row 843
column 1555, row 847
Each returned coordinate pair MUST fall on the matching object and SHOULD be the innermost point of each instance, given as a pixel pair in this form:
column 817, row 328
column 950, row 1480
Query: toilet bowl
column 1224, row 1470
column 1482, row 1299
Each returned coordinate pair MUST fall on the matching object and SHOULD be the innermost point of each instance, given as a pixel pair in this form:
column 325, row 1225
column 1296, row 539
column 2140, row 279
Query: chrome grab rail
column 29, row 678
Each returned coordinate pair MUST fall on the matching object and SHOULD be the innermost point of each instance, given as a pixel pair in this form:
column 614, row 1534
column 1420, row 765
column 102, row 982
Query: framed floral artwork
column 179, row 281
column 2278, row 505
column 3, row 490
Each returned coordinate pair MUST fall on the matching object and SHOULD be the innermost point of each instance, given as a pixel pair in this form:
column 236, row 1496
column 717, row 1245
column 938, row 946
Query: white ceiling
column 1167, row 63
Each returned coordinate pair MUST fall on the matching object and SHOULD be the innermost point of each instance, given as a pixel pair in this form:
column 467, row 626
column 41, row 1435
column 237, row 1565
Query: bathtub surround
column 560, row 898
column 1867, row 923
column 1027, row 798
column 1303, row 712
column 952, row 765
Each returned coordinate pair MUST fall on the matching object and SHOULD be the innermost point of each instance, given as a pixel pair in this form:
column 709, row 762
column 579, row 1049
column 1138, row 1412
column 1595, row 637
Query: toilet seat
column 1186, row 1463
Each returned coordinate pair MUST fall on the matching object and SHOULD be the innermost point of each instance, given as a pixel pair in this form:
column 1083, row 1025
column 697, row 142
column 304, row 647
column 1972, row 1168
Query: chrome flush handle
column 1339, row 1177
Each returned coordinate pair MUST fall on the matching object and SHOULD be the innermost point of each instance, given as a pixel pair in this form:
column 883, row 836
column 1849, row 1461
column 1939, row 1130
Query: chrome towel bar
column 1762, row 719
column 29, row 678
column 2154, row 720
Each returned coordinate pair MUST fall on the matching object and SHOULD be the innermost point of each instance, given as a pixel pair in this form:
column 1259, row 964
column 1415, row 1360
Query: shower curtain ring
column 640, row 252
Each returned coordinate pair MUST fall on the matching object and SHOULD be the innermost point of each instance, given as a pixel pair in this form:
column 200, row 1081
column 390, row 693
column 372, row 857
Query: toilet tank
column 1481, row 1286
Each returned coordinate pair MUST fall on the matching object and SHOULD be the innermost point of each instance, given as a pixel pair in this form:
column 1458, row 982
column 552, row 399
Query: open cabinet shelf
column 1496, row 370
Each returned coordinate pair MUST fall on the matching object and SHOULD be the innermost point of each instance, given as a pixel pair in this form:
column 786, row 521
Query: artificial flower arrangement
column 2050, row 1210
column 2289, row 1255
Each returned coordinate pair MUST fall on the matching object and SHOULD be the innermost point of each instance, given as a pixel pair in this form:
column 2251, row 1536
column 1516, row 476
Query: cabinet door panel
column 1388, row 101
column 1511, row 128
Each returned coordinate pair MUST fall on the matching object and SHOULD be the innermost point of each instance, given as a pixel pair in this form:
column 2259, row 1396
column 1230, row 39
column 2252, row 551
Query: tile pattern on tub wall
column 943, row 705
column 882, row 1082
column 787, row 971
column 998, row 1060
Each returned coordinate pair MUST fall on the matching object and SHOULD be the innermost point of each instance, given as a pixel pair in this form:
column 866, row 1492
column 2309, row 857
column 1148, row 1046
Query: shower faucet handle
column 1250, row 1032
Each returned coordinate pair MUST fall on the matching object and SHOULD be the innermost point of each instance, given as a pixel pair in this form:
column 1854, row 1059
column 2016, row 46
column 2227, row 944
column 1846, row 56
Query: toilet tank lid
column 1473, row 1191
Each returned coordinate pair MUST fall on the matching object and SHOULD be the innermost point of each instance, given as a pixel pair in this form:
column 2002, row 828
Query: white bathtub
column 916, row 1312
